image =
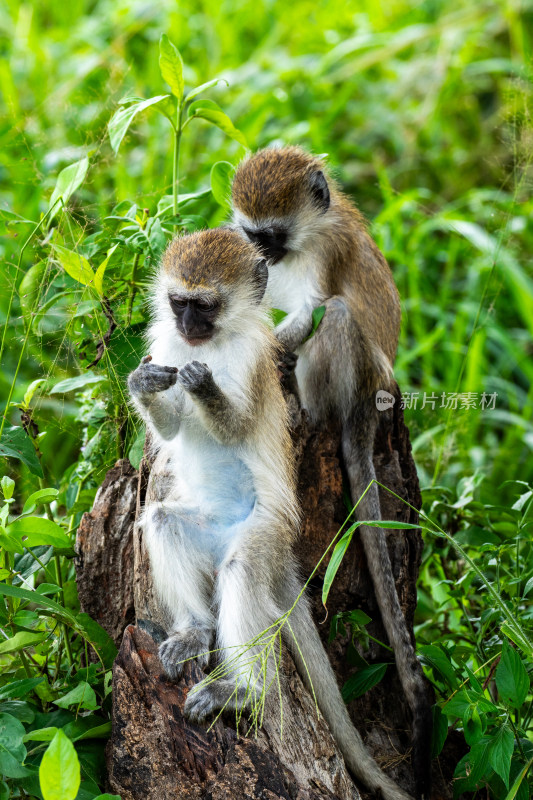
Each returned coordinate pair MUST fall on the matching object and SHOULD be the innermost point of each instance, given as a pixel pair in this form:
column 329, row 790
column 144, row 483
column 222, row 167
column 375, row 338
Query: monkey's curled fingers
column 194, row 376
column 150, row 378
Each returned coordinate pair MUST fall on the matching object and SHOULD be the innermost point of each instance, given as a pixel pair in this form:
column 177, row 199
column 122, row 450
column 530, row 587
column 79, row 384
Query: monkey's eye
column 204, row 305
column 177, row 302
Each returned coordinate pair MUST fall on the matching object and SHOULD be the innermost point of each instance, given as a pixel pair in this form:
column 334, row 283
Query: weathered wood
column 104, row 552
column 155, row 753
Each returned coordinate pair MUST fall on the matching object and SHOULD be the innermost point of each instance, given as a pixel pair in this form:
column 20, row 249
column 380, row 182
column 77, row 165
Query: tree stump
column 154, row 751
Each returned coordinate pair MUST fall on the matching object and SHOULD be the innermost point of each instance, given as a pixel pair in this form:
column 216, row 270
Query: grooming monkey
column 221, row 513
column 319, row 253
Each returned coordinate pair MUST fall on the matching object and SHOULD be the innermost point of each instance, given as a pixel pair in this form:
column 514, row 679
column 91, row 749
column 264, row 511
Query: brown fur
column 210, row 259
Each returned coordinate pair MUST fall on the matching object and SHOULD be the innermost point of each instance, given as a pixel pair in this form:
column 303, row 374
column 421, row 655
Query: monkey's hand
column 287, row 363
column 182, row 646
column 196, row 378
column 149, row 379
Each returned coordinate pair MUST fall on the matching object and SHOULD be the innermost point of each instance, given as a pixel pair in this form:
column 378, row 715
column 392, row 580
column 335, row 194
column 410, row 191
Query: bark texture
column 154, row 751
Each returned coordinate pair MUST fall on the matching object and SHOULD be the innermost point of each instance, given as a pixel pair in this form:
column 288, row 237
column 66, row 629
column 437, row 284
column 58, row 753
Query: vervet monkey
column 319, row 252
column 221, row 512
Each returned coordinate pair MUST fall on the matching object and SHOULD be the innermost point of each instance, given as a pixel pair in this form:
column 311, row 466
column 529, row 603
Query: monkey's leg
column 246, row 609
column 357, row 445
column 183, row 581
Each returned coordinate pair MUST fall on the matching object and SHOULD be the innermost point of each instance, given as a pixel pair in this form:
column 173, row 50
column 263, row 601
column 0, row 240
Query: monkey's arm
column 226, row 417
column 148, row 386
column 295, row 328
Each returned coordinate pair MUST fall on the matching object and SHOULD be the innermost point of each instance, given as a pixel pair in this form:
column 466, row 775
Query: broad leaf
column 440, row 731
column 171, row 66
column 20, row 688
column 203, row 88
column 39, row 531
column 512, row 680
column 75, row 265
column 78, row 382
column 82, row 696
column 20, row 640
column 363, row 681
column 500, row 753
column 221, row 178
column 59, row 772
column 15, row 443
column 99, row 274
column 68, row 180
column 12, row 749
column 222, row 121
column 335, row 560
column 39, row 498
column 122, row 119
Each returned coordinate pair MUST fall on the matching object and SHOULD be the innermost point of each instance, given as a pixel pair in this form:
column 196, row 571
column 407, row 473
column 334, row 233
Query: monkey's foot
column 204, row 700
column 181, row 646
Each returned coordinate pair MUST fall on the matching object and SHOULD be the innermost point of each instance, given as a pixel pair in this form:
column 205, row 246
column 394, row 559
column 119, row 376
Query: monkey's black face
column 195, row 318
column 272, row 242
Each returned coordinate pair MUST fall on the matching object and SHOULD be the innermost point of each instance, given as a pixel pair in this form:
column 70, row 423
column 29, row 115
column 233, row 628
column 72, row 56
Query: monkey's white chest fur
column 293, row 285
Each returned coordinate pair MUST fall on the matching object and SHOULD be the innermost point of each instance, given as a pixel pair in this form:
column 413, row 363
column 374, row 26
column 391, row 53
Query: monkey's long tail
column 315, row 669
column 358, row 462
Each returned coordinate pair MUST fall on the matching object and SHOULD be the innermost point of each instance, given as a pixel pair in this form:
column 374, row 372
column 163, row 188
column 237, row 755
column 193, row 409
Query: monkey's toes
column 181, row 647
column 200, row 703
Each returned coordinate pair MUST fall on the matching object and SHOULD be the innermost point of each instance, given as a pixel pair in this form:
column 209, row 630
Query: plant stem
column 176, row 163
column 64, row 629
column 133, row 287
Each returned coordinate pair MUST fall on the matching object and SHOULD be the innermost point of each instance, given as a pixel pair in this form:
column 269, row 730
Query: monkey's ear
column 260, row 278
column 319, row 190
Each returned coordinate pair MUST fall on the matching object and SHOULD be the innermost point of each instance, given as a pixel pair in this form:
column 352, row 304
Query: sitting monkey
column 221, row 514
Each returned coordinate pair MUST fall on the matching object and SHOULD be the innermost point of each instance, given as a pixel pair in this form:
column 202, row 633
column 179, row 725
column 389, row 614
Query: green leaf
column 20, row 688
column 439, row 661
column 19, row 709
column 5, row 791
column 277, row 315
column 15, row 443
column 316, row 318
column 38, row 498
column 122, row 119
column 39, row 531
column 363, row 681
column 512, row 680
column 68, row 180
column 335, row 561
column 107, row 797
column 221, row 179
column 136, row 451
column 92, row 727
column 30, row 391
column 203, row 88
column 204, row 103
column 11, row 544
column 12, row 750
column 500, row 753
column 41, row 735
column 78, row 382
column 440, row 731
column 99, row 274
column 171, row 66
column 30, row 287
column 82, row 696
column 8, row 487
column 39, row 600
column 98, row 638
column 222, row 121
column 59, row 772
column 20, row 640
column 75, row 265
column 473, row 726
column 513, row 791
